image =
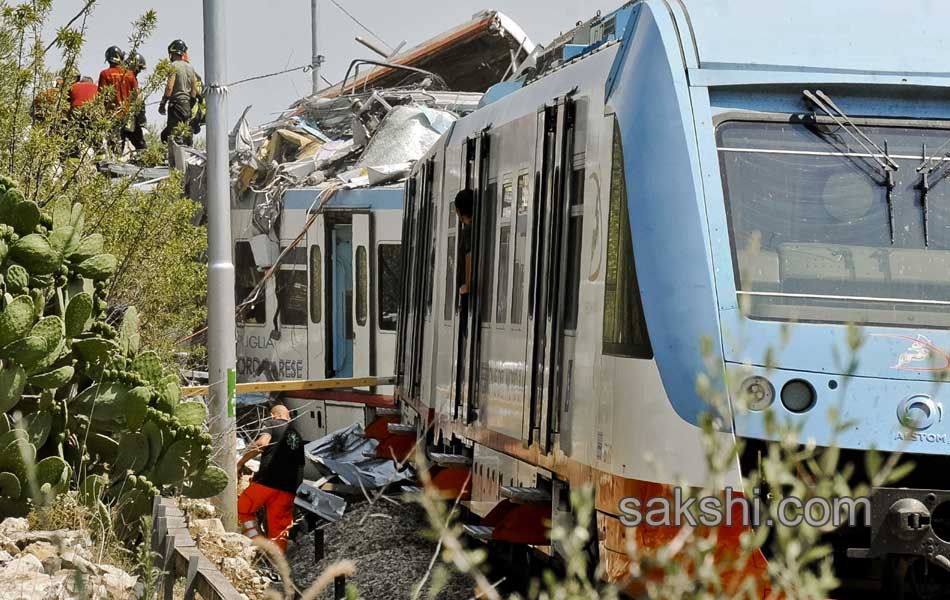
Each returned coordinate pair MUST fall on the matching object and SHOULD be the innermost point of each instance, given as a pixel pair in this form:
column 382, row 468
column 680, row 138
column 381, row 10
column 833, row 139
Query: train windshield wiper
column 928, row 165
column 878, row 155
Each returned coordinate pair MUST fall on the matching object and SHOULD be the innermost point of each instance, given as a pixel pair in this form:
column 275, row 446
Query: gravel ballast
column 391, row 547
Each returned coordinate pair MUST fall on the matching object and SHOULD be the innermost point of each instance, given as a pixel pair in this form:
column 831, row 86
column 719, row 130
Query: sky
column 264, row 36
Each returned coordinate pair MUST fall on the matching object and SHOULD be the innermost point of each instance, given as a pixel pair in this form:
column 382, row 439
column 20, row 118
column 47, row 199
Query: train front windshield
column 811, row 223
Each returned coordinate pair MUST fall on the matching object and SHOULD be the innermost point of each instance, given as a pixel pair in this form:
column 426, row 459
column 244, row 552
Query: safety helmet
column 114, row 55
column 178, row 47
column 136, row 61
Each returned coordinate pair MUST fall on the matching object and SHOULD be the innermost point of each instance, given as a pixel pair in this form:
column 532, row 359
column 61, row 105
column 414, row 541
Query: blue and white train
column 684, row 188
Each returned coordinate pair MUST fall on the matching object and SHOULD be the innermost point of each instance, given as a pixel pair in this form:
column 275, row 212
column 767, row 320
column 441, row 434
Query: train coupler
column 909, row 523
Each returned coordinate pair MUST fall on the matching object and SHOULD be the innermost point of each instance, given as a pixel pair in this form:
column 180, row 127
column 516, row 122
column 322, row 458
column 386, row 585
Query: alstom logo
column 919, row 412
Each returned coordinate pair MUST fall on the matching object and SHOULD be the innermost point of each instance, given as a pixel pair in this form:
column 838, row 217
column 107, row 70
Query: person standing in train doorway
column 464, row 208
column 274, row 486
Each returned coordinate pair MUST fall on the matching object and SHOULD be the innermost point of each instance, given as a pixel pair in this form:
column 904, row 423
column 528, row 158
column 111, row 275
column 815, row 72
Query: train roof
column 386, row 197
column 846, row 35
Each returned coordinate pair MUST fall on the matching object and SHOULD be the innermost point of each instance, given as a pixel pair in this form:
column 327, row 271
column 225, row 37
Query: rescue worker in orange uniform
column 274, row 486
column 121, row 79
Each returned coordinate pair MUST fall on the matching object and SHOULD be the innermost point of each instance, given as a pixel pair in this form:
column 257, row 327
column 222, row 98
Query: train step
column 401, row 428
column 525, row 495
column 388, row 412
column 450, row 460
column 479, row 532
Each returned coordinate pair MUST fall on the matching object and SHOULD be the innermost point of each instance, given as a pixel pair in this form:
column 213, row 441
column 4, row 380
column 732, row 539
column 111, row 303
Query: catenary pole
column 316, row 60
column 221, row 345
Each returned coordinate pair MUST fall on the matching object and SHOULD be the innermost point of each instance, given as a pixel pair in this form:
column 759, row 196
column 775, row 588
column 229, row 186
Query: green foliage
column 87, row 398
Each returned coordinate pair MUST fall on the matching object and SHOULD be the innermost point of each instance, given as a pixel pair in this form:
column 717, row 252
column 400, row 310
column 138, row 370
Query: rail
column 297, row 385
column 177, row 556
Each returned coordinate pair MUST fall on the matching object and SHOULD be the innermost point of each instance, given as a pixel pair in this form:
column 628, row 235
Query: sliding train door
column 549, row 301
column 316, row 328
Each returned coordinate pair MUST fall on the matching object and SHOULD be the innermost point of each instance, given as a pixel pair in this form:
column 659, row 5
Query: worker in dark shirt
column 181, row 94
column 274, row 486
column 134, row 129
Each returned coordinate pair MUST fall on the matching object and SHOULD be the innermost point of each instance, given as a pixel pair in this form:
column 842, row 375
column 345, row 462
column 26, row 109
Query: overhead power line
column 358, row 22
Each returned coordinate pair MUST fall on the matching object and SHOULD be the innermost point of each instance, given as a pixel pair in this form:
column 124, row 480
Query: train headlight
column 798, row 395
column 757, row 392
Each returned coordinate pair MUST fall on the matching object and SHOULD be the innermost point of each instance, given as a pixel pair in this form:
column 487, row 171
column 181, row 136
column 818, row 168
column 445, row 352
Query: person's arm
column 468, row 273
column 194, row 88
column 168, row 94
column 254, row 450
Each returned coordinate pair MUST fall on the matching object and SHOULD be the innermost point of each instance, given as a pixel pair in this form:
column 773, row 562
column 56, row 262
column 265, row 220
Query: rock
column 21, row 565
column 73, row 560
column 211, row 526
column 41, row 550
column 5, row 557
column 117, row 582
column 12, row 525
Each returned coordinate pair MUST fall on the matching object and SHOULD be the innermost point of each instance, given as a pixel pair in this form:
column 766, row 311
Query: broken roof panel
column 470, row 58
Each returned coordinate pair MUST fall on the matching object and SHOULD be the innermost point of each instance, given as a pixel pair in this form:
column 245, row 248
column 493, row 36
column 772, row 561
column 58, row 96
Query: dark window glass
column 362, row 282
column 625, row 331
column 450, row 279
column 811, row 225
column 487, row 245
column 389, row 284
column 316, row 284
column 292, row 297
column 296, row 256
column 575, row 230
column 501, row 303
column 247, row 276
column 521, row 242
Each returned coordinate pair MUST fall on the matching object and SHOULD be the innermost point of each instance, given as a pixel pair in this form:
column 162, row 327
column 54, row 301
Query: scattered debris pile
column 358, row 140
column 56, row 564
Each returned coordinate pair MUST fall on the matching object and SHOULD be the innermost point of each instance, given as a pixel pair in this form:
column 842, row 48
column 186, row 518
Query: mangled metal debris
column 325, row 505
column 349, row 455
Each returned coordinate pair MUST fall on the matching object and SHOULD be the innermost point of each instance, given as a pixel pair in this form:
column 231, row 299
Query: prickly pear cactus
column 81, row 404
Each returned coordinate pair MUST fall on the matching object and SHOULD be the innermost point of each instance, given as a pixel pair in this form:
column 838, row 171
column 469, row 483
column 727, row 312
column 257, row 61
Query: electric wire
column 358, row 22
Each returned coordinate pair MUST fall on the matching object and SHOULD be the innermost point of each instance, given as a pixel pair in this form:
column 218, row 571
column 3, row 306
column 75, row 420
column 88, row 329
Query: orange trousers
column 279, row 507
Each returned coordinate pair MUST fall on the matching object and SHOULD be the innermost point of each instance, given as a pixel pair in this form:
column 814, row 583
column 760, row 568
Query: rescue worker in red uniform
column 274, row 486
column 134, row 129
column 121, row 79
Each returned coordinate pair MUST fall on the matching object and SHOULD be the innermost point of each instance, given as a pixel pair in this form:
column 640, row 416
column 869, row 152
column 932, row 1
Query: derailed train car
column 681, row 189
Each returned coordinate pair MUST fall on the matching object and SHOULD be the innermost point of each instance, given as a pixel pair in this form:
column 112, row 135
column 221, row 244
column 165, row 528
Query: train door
column 340, row 330
column 471, row 314
column 420, row 278
column 316, row 328
column 362, row 341
column 387, row 282
column 549, row 273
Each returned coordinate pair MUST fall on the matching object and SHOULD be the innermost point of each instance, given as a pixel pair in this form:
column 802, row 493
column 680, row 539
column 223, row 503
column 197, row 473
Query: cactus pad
column 25, row 216
column 16, row 319
column 78, row 312
column 133, row 453
column 10, row 486
column 35, row 253
column 207, row 483
column 27, row 352
column 97, row 268
column 90, row 246
column 54, row 379
column 191, row 413
column 172, row 467
column 17, row 279
column 12, row 382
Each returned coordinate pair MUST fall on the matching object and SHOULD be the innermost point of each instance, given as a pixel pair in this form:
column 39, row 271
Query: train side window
column 292, row 296
column 362, row 281
column 504, row 241
column 316, row 284
column 449, row 278
column 487, row 264
column 574, row 233
column 247, row 276
column 625, row 329
column 388, row 285
column 521, row 242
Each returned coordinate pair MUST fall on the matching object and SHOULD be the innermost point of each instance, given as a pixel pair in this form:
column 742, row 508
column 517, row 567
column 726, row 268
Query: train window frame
column 379, row 287
column 637, row 339
column 284, row 279
column 316, row 284
column 240, row 265
column 361, row 293
column 503, row 287
column 451, row 249
column 741, row 116
column 524, row 175
column 487, row 292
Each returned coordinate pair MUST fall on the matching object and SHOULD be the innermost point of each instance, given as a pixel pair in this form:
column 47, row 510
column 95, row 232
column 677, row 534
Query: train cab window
column 388, row 284
column 247, row 276
column 504, row 241
column 362, row 281
column 625, row 330
column 316, row 284
column 521, row 241
column 292, row 297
